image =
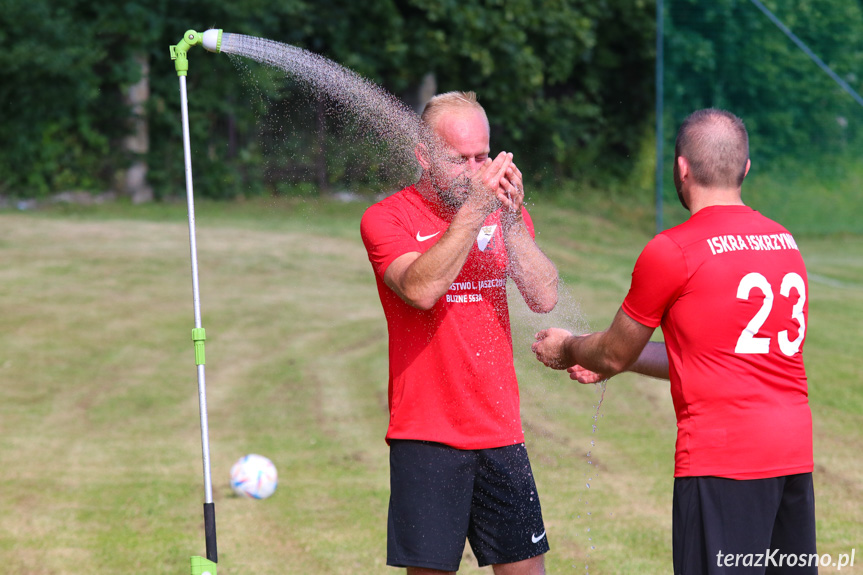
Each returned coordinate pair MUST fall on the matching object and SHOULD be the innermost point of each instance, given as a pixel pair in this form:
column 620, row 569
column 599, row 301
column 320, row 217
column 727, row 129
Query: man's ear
column 748, row 165
column 682, row 168
column 423, row 155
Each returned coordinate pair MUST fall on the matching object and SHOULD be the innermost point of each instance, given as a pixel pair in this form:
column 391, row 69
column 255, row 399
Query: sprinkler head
column 211, row 40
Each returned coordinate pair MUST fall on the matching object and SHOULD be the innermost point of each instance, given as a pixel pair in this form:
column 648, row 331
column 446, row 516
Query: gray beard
column 448, row 195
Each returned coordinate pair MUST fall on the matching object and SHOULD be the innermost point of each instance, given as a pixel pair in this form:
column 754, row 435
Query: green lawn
column 101, row 460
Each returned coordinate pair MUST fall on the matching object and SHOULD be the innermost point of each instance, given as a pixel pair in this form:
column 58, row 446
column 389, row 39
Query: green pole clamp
column 199, row 335
column 179, row 52
column 202, row 566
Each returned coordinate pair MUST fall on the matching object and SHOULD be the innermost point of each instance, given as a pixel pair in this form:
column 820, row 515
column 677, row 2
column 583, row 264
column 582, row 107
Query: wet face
column 464, row 147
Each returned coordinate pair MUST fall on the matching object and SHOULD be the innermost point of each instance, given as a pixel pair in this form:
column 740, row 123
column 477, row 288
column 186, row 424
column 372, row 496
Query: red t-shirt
column 729, row 289
column 452, row 378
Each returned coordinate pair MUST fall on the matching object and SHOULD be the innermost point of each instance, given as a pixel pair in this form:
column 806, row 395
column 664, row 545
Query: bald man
column 442, row 251
column 729, row 289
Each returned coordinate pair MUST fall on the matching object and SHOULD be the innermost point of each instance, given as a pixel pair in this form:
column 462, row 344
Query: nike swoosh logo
column 537, row 538
column 424, row 238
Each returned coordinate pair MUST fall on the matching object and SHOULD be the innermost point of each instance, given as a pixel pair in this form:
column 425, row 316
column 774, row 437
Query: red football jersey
column 452, row 378
column 729, row 289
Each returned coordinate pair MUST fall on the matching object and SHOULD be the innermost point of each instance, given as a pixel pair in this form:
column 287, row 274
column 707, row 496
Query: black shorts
column 440, row 495
column 758, row 526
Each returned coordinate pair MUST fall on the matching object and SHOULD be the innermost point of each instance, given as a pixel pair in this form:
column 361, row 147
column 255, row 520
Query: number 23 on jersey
column 749, row 342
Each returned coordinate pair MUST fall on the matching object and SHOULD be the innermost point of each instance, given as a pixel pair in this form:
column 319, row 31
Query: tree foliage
column 727, row 53
column 568, row 84
column 546, row 72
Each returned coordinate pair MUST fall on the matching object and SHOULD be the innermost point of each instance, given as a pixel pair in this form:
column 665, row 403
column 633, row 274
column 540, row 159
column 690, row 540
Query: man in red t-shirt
column 442, row 251
column 729, row 288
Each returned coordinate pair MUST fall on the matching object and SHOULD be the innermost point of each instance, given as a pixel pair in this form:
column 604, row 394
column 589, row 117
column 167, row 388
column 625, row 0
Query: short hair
column 450, row 101
column 716, row 144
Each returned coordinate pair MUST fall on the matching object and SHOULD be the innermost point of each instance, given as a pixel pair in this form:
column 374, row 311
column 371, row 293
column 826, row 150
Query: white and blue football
column 254, row 476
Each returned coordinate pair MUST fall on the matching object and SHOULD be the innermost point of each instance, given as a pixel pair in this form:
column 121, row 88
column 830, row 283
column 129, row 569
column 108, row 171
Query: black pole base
column 210, row 531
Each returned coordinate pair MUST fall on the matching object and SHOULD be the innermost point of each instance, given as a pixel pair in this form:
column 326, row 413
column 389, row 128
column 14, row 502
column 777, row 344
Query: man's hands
column 584, row 375
column 624, row 346
column 550, row 348
column 497, row 182
column 514, row 185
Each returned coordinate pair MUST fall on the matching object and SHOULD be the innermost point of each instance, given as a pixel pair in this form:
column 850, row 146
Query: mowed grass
column 100, row 458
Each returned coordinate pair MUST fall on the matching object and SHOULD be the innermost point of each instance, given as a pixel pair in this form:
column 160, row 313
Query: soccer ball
column 254, row 476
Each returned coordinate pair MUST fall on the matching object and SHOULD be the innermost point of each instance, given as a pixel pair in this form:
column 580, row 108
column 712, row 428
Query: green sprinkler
column 212, row 41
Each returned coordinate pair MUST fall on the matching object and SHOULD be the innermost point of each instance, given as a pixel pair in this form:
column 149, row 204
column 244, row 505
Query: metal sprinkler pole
column 199, row 336
column 200, row 566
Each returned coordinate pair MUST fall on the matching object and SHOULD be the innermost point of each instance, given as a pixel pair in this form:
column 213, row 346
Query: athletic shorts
column 440, row 495
column 744, row 527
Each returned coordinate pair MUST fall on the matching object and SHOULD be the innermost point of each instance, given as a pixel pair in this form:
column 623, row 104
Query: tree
column 54, row 136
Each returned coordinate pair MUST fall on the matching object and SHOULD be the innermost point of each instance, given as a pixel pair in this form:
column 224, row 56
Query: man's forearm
column 532, row 271
column 623, row 346
column 653, row 361
column 431, row 274
column 592, row 352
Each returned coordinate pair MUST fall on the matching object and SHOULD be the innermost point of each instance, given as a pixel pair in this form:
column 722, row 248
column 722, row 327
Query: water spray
column 211, row 40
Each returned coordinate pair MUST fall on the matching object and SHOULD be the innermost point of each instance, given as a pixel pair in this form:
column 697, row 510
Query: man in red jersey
column 442, row 251
column 729, row 289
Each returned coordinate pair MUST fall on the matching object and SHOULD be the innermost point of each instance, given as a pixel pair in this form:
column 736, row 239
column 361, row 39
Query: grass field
column 100, row 461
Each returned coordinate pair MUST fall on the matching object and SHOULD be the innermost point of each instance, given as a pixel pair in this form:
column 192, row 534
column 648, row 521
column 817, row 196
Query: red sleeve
column 659, row 276
column 386, row 237
column 528, row 222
